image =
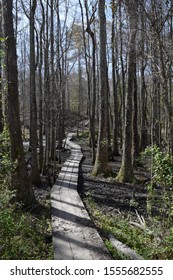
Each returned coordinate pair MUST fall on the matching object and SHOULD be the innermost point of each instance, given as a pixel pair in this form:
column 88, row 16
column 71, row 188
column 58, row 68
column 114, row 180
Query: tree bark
column 20, row 179
column 135, row 137
column 47, row 102
column 101, row 164
column 41, row 98
column 114, row 86
column 126, row 171
column 52, row 84
column 35, row 176
column 93, row 93
column 1, row 111
column 143, row 121
column 124, row 249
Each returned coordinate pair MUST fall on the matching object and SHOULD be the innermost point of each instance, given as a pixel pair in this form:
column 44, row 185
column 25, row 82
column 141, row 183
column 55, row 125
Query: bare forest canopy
column 68, row 63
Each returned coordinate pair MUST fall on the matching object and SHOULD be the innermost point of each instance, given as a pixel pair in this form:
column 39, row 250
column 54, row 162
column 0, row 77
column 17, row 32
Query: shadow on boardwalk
column 74, row 235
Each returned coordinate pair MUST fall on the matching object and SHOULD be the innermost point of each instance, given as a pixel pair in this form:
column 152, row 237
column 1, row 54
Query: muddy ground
column 111, row 196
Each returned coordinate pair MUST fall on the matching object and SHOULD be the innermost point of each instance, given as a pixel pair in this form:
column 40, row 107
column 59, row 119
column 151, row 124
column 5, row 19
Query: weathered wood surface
column 74, row 237
column 124, row 249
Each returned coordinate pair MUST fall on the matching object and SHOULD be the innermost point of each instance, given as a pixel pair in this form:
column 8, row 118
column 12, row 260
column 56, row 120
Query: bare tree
column 33, row 105
column 102, row 157
column 1, row 36
column 126, row 170
column 41, row 98
column 114, row 84
column 143, row 64
column 20, row 180
column 92, row 104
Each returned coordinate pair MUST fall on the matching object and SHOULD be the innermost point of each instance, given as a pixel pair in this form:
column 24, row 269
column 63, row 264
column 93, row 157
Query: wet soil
column 111, row 196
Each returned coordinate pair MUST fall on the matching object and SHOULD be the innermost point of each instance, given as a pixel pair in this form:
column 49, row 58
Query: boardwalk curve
column 74, row 237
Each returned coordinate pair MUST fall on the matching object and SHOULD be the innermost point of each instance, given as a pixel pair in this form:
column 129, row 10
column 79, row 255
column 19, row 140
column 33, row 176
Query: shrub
column 161, row 167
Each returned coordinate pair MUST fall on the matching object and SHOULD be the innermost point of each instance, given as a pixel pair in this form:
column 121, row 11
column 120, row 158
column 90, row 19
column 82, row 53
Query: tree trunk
column 20, row 180
column 143, row 122
column 93, row 93
column 101, row 164
column 114, row 86
column 59, row 77
column 1, row 112
column 35, row 176
column 126, row 171
column 80, row 102
column 135, row 137
column 41, row 149
column 46, row 90
column 52, row 85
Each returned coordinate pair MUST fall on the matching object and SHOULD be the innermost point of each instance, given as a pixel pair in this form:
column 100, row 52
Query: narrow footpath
column 74, row 235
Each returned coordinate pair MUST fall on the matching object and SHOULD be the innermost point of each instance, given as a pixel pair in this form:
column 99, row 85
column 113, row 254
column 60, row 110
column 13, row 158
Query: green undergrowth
column 83, row 135
column 23, row 232
column 160, row 165
column 154, row 241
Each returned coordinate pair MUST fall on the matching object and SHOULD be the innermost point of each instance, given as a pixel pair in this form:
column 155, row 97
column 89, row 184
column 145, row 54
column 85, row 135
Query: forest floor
column 112, row 196
column 118, row 207
column 114, row 206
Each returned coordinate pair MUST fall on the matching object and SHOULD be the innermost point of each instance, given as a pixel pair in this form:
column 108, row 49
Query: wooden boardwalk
column 74, row 236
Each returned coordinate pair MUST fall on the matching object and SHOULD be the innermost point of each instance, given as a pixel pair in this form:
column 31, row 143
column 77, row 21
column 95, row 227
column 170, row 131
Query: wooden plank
column 74, row 236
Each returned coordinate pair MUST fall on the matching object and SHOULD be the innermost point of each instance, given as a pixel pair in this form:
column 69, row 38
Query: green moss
column 126, row 175
column 102, row 168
